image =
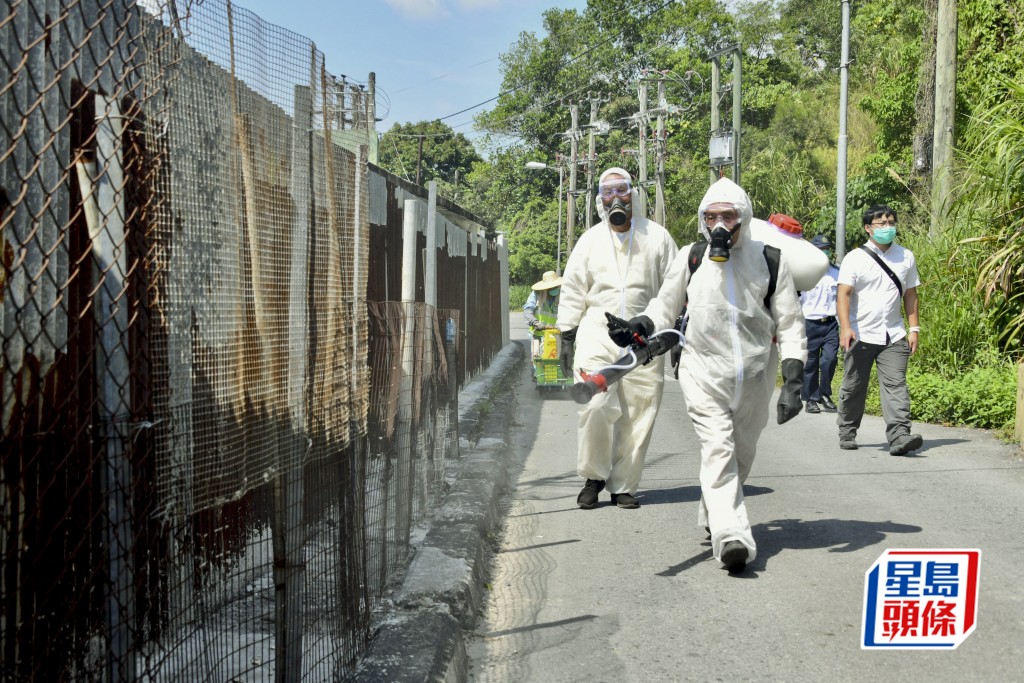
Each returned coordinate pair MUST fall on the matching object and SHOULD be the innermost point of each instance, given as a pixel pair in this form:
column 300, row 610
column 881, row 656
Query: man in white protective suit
column 728, row 363
column 616, row 267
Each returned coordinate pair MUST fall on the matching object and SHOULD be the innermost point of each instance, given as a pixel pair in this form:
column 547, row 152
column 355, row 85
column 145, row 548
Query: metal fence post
column 110, row 254
column 404, row 477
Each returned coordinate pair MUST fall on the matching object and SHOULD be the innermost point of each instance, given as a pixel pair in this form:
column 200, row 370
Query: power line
column 423, row 135
column 555, row 100
column 450, row 73
column 518, row 118
column 574, row 59
column 463, row 111
column 554, row 36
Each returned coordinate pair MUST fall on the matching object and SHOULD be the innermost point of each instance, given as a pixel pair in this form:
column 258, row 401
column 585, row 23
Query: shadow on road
column 689, row 494
column 936, row 443
column 838, row 535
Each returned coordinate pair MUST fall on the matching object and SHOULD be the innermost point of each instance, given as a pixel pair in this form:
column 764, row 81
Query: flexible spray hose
column 636, row 355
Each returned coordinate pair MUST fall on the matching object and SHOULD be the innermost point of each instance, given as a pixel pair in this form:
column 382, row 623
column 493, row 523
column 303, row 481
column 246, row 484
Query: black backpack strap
column 771, row 257
column 697, row 254
column 693, row 261
column 887, row 269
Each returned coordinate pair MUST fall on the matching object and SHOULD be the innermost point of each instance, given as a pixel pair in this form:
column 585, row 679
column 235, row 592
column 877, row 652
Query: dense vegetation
column 971, row 260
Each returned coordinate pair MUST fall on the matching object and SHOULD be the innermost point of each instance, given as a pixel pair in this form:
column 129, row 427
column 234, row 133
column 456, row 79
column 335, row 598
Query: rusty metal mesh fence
column 213, row 448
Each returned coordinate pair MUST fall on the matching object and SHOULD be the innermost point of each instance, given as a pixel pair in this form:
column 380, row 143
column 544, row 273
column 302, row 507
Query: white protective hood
column 725, row 190
column 634, row 197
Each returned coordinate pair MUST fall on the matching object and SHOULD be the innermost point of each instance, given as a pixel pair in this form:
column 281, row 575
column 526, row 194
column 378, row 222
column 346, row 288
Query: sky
column 432, row 58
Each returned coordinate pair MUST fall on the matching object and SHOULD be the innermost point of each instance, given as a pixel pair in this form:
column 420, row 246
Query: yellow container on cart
column 547, row 365
column 549, row 345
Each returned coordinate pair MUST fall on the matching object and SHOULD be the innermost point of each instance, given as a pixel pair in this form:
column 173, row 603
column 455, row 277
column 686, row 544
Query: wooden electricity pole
column 591, row 156
column 945, row 111
column 924, row 100
column 419, row 163
column 642, row 126
column 661, row 150
column 574, row 111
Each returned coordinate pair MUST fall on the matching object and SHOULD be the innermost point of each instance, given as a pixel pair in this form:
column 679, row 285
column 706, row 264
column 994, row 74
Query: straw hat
column 548, row 280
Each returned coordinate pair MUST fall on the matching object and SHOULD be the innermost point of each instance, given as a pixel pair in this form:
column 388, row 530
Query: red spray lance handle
column 598, row 381
column 639, row 354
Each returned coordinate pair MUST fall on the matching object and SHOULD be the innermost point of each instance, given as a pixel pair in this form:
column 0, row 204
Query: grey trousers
column 891, row 362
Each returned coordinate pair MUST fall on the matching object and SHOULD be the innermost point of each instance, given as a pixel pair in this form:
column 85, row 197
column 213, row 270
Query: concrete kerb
column 441, row 593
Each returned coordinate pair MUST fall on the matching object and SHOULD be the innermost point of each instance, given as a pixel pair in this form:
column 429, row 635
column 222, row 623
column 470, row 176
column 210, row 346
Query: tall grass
column 990, row 203
column 958, row 331
column 517, row 296
column 972, row 278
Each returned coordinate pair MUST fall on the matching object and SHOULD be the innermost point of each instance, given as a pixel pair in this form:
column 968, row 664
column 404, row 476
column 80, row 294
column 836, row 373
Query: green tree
column 532, row 235
column 445, row 152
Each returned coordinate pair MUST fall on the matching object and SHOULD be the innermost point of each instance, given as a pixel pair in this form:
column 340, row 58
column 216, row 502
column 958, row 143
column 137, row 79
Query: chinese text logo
column 921, row 599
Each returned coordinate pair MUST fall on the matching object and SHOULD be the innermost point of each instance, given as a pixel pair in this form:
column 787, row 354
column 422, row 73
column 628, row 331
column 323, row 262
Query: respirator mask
column 722, row 224
column 618, row 213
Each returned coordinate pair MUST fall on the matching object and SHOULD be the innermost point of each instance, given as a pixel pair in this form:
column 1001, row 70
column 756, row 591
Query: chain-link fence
column 216, row 437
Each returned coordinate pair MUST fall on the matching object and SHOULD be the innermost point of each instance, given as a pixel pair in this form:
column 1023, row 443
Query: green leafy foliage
column 445, row 152
column 972, row 296
column 532, row 239
column 981, row 397
column 517, row 296
column 991, row 206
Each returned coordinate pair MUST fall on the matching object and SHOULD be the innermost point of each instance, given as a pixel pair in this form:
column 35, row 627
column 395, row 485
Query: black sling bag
column 887, row 269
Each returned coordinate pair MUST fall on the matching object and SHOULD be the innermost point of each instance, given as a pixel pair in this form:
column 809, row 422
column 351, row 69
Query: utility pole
column 339, row 102
column 574, row 112
column 642, row 126
column 924, row 100
column 660, row 150
column 945, row 111
column 419, row 162
column 371, row 118
column 591, row 154
column 716, row 85
column 725, row 143
column 660, row 140
column 844, row 79
column 737, row 111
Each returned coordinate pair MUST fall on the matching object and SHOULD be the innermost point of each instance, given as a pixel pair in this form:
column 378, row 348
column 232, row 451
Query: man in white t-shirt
column 874, row 281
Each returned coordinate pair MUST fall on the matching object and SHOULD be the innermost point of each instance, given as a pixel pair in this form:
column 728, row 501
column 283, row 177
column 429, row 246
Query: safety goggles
column 728, row 217
column 618, row 188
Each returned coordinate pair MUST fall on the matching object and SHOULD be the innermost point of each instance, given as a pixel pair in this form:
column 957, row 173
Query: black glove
column 567, row 351
column 789, row 398
column 623, row 333
column 675, row 354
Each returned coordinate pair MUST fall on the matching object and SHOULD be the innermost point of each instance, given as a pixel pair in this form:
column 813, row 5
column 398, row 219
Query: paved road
column 634, row 595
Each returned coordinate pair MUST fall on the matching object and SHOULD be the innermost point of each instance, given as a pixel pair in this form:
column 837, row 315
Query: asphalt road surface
column 634, row 595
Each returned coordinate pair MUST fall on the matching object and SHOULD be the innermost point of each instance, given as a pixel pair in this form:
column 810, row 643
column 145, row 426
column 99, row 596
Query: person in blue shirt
column 819, row 306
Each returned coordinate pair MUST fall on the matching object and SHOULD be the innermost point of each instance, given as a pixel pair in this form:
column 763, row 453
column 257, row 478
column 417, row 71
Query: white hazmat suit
column 620, row 275
column 729, row 362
